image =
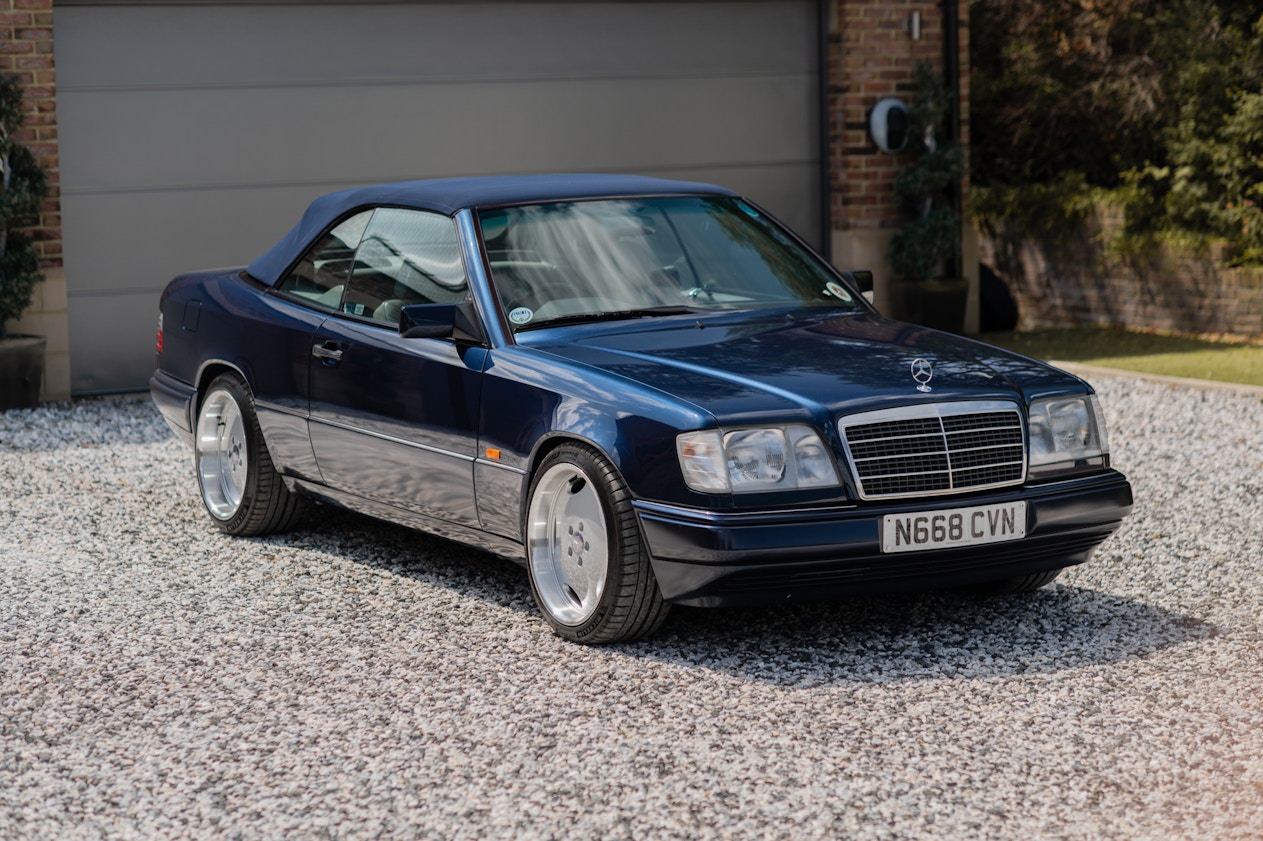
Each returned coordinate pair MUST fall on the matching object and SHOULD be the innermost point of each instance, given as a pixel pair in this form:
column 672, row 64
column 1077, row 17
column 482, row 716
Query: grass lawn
column 1151, row 353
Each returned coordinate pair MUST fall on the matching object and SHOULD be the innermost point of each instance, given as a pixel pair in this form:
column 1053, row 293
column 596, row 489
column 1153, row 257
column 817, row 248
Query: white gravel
column 354, row 680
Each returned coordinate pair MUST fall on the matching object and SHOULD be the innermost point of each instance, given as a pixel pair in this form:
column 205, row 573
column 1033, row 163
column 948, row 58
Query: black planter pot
column 943, row 304
column 905, row 301
column 21, row 371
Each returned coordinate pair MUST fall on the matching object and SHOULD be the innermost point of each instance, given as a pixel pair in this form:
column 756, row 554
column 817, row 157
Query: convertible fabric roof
column 448, row 195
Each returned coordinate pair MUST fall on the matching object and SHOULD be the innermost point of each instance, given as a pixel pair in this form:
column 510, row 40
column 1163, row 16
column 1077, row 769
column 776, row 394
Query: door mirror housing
column 441, row 321
column 862, row 278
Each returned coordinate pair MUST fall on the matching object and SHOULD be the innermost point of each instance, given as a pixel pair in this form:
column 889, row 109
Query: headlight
column 757, row 459
column 1067, row 433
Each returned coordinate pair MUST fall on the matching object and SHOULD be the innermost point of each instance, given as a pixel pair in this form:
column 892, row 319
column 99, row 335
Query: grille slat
column 935, row 449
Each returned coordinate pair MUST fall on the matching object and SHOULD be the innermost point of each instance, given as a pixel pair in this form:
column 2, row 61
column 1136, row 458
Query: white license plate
column 953, row 527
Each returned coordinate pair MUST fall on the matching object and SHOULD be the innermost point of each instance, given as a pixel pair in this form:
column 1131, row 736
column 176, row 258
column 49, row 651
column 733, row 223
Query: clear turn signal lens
column 702, row 461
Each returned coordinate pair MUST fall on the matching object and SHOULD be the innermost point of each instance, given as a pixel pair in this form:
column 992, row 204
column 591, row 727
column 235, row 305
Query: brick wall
column 871, row 56
column 1080, row 282
column 26, row 50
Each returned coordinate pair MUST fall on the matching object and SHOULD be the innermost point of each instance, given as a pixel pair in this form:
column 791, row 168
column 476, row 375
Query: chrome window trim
column 925, row 411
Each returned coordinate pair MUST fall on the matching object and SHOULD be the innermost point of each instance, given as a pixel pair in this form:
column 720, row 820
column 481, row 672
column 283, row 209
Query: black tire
column 241, row 488
column 1021, row 584
column 590, row 573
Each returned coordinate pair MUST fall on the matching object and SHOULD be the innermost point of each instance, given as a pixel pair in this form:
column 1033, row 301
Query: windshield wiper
column 610, row 315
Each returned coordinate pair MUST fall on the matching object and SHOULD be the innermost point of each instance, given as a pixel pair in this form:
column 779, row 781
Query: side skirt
column 492, row 543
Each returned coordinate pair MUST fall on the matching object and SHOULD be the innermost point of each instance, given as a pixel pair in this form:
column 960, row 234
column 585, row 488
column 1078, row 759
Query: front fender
column 533, row 400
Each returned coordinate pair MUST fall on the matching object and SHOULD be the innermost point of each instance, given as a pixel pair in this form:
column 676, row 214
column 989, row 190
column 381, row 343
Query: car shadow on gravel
column 863, row 640
column 412, row 554
column 922, row 636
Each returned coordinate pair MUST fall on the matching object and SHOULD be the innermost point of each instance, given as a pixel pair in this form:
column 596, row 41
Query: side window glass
column 405, row 257
column 321, row 274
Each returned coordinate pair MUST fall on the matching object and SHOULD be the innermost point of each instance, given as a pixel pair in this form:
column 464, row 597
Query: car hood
column 836, row 362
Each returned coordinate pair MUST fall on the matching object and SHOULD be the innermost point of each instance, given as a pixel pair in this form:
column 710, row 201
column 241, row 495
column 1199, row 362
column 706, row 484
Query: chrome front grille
column 935, row 449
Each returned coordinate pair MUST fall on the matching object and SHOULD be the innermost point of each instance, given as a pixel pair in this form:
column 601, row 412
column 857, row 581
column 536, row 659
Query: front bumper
column 710, row 559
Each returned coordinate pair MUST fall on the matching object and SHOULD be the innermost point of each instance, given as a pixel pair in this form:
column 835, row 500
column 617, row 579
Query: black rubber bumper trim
column 174, row 400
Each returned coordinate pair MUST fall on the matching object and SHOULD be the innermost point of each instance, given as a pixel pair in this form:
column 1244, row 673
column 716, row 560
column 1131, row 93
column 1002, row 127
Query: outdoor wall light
column 913, row 25
column 888, row 124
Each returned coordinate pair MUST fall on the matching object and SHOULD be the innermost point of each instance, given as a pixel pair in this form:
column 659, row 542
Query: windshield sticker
column 521, row 315
column 838, row 291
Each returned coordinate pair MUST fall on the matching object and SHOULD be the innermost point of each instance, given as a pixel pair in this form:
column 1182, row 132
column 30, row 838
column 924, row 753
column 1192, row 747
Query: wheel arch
column 546, row 445
column 553, row 440
column 212, row 368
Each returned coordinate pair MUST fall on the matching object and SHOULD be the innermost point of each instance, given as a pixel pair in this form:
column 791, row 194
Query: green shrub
column 23, row 186
column 920, row 249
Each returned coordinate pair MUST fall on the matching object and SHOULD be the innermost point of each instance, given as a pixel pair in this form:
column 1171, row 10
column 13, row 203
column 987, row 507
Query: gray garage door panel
column 210, row 46
column 193, row 136
column 372, row 134
column 131, row 320
column 165, row 235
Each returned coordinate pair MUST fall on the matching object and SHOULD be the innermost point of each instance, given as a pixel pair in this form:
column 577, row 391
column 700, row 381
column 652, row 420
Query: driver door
column 394, row 420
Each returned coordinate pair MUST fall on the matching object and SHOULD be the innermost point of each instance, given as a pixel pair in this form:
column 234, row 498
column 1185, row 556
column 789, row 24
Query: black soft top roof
column 448, row 195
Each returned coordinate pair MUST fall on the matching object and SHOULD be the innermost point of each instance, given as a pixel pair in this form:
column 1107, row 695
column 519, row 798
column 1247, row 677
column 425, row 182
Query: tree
column 1153, row 105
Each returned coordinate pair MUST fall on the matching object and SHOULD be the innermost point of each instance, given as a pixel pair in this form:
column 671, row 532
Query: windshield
column 626, row 258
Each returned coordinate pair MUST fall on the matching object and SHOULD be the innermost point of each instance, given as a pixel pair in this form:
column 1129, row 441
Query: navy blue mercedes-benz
column 648, row 392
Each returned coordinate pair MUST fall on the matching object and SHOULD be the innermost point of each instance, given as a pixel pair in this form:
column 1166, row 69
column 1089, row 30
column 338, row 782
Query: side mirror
column 441, row 321
column 862, row 278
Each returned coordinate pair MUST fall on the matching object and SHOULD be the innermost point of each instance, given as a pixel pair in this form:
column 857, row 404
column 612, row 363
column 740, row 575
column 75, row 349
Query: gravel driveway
column 355, row 680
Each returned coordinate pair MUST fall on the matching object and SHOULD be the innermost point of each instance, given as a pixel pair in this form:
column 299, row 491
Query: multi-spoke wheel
column 590, row 574
column 241, row 488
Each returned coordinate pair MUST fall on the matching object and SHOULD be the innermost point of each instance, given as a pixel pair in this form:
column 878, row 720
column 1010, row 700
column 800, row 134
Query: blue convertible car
column 648, row 392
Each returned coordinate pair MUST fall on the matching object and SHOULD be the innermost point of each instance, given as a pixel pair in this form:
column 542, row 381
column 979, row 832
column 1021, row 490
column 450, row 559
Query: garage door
column 193, row 135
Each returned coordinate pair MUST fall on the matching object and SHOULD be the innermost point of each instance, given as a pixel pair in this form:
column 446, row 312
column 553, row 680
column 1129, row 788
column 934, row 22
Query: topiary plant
column 23, row 186
column 921, row 248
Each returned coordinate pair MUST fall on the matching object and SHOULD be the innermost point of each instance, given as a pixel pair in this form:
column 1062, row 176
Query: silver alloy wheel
column 222, row 455
column 569, row 543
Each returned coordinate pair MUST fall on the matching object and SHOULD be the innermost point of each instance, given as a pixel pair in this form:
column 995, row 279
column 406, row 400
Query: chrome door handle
column 326, row 352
